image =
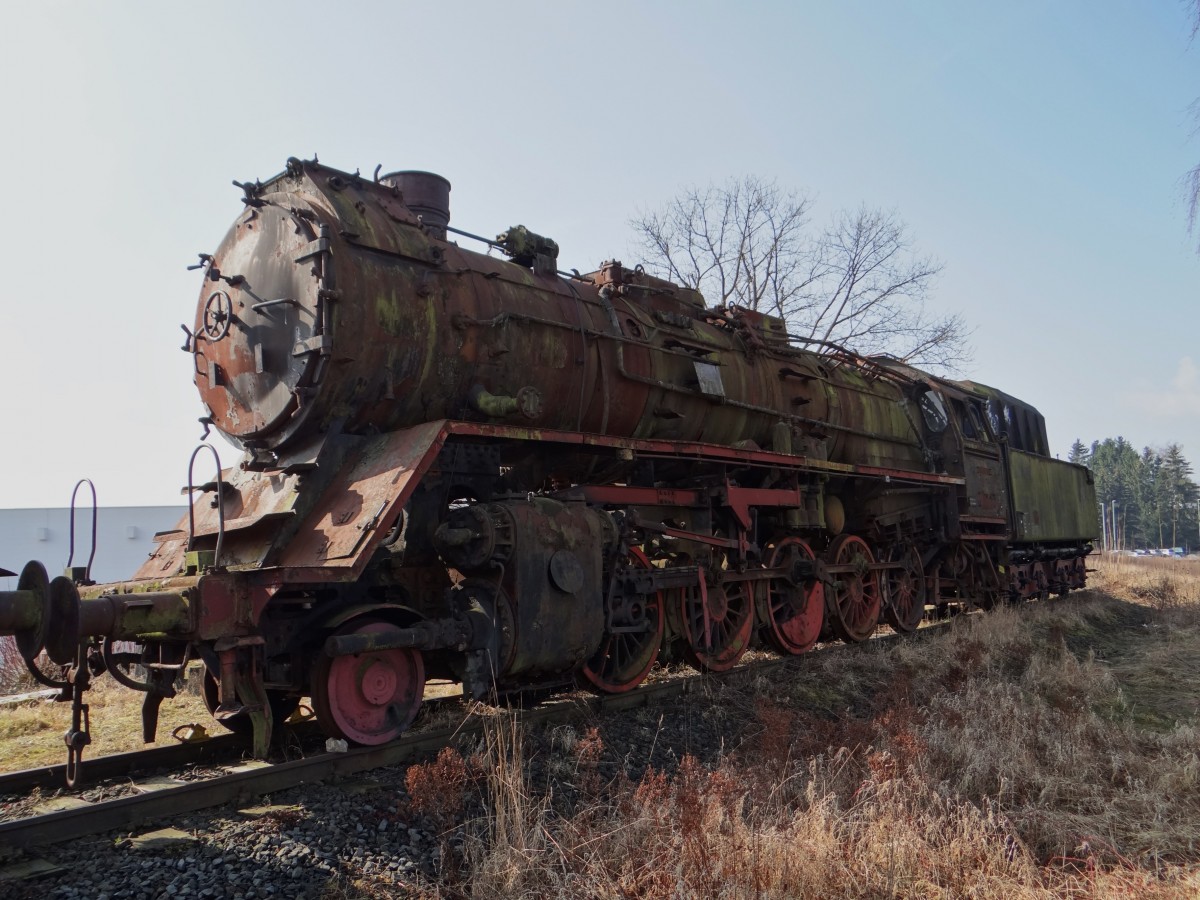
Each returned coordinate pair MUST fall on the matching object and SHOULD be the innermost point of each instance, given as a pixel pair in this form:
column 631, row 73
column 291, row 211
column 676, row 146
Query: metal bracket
column 79, row 735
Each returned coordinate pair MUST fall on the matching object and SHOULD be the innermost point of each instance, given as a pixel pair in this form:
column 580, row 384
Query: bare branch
column 858, row 283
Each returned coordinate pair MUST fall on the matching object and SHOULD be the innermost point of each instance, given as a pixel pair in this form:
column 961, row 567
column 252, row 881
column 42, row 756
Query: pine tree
column 1154, row 492
column 1149, row 527
column 1080, row 454
column 1116, row 466
column 1178, row 490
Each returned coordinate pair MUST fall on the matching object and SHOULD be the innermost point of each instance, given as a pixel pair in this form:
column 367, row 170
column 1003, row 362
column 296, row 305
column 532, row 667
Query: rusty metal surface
column 364, row 500
column 538, row 565
column 248, row 498
column 228, row 605
column 986, row 482
column 700, row 452
column 302, row 320
column 166, row 557
column 248, row 368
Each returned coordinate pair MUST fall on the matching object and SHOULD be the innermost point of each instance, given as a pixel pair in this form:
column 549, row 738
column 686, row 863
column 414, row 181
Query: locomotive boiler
column 471, row 466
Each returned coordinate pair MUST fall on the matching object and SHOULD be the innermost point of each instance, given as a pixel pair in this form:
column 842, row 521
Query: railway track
column 129, row 765
column 158, row 797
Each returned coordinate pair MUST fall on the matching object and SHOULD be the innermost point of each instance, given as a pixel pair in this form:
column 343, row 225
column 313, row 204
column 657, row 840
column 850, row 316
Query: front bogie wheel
column 371, row 697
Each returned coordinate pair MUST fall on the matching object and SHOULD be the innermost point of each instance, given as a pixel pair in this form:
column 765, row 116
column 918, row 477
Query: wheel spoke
column 905, row 601
column 855, row 605
column 730, row 615
column 625, row 658
column 794, row 608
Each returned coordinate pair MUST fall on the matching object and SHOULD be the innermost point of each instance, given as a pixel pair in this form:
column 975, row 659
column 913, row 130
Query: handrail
column 220, row 505
column 87, row 573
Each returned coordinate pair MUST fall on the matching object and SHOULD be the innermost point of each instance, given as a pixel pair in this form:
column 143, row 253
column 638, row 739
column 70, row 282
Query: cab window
column 933, row 411
column 976, row 416
column 969, row 428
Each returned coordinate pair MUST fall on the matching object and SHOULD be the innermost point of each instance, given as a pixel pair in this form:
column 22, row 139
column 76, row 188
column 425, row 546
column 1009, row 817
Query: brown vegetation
column 1044, row 751
column 31, row 733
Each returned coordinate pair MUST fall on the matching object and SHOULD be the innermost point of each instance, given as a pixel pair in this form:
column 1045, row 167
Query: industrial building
column 124, row 538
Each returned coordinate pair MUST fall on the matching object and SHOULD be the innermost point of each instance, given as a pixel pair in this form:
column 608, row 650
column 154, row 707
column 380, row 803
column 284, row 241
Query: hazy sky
column 1035, row 148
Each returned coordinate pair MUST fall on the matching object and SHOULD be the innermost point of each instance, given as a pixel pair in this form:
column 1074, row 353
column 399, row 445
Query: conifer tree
column 1157, row 501
column 1178, row 489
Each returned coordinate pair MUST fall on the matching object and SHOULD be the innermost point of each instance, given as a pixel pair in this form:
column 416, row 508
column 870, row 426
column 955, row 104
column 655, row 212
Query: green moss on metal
column 1053, row 500
column 160, row 620
column 387, row 310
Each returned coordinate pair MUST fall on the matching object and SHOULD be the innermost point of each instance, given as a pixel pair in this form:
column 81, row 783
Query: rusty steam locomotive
column 467, row 466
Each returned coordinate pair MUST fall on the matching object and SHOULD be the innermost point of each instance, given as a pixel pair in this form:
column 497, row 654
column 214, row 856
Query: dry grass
column 1045, row 751
column 1048, row 751
column 31, row 734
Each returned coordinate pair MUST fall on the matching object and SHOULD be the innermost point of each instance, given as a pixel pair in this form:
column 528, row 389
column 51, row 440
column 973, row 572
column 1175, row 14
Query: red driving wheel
column 853, row 605
column 631, row 643
column 792, row 607
column 716, row 621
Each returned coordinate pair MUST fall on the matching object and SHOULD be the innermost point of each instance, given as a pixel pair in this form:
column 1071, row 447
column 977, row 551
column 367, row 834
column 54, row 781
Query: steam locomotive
column 477, row 468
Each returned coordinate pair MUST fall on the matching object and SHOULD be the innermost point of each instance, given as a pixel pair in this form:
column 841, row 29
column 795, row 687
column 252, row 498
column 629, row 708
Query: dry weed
column 588, row 750
column 1010, row 758
column 437, row 789
column 31, row 734
column 509, row 852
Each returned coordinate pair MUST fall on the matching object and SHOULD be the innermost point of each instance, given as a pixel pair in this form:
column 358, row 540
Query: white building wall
column 123, row 539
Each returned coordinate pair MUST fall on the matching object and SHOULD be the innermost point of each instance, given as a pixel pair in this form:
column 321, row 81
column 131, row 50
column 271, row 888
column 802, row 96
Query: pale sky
column 1035, row 148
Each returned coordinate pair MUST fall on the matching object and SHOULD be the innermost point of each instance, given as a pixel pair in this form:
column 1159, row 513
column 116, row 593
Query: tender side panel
column 1052, row 500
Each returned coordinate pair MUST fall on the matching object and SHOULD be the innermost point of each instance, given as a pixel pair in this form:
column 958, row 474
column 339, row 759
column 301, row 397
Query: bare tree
column 868, row 292
column 743, row 243
column 857, row 284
